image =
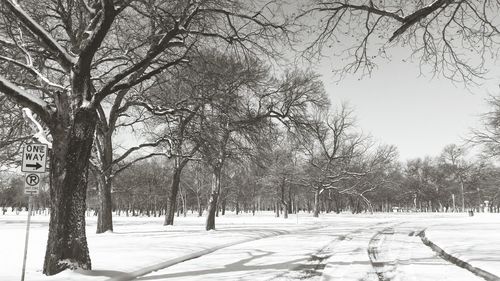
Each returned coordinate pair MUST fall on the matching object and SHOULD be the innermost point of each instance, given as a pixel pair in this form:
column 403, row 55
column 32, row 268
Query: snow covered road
column 333, row 247
column 387, row 250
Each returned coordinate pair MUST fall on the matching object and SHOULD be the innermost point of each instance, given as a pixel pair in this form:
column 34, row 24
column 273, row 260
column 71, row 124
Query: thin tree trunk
column 174, row 190
column 200, row 208
column 222, row 207
column 283, row 202
column 316, row 203
column 463, row 194
column 104, row 183
column 184, row 203
column 105, row 214
column 214, row 196
column 289, row 201
column 277, row 208
column 67, row 243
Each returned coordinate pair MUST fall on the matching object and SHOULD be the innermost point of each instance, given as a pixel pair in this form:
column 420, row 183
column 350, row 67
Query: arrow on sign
column 36, row 166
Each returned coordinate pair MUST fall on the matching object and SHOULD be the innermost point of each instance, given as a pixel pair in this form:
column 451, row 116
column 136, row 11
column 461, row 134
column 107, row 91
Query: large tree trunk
column 316, row 203
column 174, row 191
column 67, row 242
column 214, row 196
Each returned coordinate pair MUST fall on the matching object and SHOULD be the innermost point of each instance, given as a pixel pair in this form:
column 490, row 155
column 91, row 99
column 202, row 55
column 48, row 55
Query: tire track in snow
column 313, row 268
column 162, row 265
column 383, row 265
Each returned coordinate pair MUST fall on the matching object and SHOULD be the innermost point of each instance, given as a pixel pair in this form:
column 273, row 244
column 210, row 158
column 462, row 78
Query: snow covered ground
column 475, row 240
column 261, row 247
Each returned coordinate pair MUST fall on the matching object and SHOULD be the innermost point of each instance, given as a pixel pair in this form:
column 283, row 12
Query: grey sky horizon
column 419, row 115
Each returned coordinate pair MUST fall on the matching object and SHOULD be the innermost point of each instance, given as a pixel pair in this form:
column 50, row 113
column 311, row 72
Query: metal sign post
column 27, row 236
column 34, row 160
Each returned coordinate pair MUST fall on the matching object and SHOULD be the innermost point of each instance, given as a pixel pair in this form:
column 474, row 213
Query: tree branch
column 40, row 107
column 122, row 168
column 63, row 57
column 33, row 71
column 136, row 148
column 40, row 134
column 410, row 20
column 97, row 34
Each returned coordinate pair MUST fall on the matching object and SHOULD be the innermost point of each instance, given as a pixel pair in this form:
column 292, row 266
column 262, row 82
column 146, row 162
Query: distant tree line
column 280, row 177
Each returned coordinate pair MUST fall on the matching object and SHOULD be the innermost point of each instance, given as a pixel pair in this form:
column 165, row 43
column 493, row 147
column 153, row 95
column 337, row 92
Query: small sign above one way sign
column 34, row 158
column 31, row 183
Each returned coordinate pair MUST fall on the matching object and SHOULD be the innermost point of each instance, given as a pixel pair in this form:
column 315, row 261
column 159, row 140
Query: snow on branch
column 21, row 97
column 33, row 71
column 63, row 57
column 154, row 52
column 40, row 134
column 97, row 30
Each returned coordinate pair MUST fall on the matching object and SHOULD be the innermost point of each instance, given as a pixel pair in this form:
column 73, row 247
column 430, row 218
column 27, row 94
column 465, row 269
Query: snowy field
column 261, row 247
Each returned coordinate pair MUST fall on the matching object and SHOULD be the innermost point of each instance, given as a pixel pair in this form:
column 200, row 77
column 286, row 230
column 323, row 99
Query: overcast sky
column 418, row 115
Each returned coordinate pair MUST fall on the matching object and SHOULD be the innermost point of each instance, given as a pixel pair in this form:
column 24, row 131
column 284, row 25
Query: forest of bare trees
column 163, row 108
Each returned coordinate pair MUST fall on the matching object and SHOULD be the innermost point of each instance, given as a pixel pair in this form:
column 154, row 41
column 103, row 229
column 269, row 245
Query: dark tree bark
column 316, row 203
column 289, row 201
column 174, row 191
column 200, row 209
column 284, row 204
column 214, row 196
column 222, row 207
column 277, row 208
column 67, row 242
column 105, row 214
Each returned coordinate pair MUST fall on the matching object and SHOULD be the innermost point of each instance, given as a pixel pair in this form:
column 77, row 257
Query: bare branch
column 33, row 71
column 63, row 57
column 139, row 147
column 25, row 99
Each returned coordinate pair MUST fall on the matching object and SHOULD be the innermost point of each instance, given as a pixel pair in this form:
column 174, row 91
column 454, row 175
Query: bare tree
column 247, row 99
column 453, row 157
column 282, row 170
column 77, row 54
column 342, row 160
column 454, row 38
column 374, row 167
column 227, row 114
column 488, row 136
column 334, row 145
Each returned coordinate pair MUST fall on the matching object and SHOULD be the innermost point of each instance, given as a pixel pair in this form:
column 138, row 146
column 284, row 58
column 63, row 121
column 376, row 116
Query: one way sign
column 34, row 158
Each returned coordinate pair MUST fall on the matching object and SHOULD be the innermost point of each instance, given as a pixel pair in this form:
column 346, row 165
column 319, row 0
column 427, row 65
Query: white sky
column 418, row 115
